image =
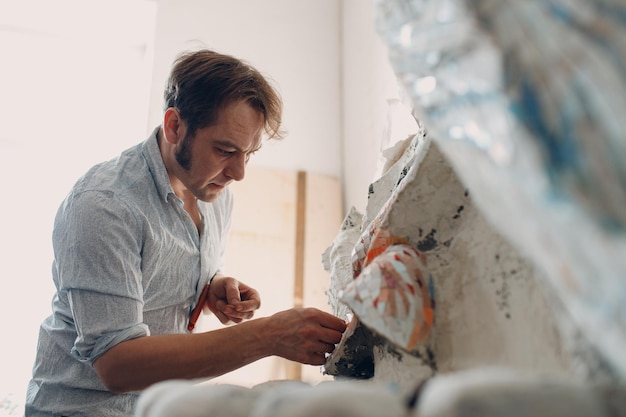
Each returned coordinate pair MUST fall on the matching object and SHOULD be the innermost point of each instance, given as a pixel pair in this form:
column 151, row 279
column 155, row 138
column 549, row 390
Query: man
column 140, row 236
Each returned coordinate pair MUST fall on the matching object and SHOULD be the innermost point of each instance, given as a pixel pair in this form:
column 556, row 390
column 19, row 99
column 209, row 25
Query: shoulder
column 107, row 193
column 125, row 178
column 97, row 211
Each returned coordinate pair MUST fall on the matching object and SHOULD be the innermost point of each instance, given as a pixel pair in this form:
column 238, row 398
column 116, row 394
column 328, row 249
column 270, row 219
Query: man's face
column 217, row 155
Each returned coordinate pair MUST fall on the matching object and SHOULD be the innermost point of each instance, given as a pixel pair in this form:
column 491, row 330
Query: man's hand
column 231, row 300
column 304, row 335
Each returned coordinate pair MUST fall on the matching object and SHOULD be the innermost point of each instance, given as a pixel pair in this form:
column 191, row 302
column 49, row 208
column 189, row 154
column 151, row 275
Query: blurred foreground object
column 526, row 99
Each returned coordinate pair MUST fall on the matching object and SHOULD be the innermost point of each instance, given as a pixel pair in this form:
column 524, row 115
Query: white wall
column 73, row 94
column 293, row 42
column 328, row 62
column 373, row 115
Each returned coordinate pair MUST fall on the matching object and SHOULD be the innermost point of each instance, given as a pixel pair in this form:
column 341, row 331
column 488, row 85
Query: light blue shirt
column 128, row 262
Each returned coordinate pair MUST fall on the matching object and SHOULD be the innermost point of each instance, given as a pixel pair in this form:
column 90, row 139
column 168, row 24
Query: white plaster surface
column 490, row 309
column 496, row 392
column 272, row 399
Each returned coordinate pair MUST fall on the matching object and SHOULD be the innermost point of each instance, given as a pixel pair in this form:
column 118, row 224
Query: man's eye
column 224, row 152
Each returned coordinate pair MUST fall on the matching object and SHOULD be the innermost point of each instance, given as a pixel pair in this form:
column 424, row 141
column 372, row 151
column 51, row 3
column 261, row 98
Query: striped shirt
column 128, row 262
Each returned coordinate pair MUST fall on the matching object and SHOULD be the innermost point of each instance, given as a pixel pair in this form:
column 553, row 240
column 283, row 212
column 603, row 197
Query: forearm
column 302, row 335
column 135, row 364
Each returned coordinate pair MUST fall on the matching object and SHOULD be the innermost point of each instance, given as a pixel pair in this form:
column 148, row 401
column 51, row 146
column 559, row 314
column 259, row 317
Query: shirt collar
column 152, row 153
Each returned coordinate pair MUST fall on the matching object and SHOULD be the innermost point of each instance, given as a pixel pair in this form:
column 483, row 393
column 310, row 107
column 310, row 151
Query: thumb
column 232, row 293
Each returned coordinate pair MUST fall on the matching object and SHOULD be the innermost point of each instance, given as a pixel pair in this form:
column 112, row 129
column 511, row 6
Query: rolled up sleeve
column 102, row 321
column 98, row 248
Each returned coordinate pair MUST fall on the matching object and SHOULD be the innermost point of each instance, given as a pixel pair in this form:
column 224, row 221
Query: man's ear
column 173, row 126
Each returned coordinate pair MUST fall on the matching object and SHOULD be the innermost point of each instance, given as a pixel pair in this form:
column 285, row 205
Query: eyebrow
column 229, row 144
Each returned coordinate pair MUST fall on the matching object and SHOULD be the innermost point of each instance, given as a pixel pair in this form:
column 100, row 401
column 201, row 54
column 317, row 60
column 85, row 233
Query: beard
column 183, row 155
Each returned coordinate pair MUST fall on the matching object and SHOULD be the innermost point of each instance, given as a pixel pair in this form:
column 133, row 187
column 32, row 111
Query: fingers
column 316, row 359
column 233, row 301
column 243, row 302
column 330, row 336
column 232, row 292
column 306, row 335
column 249, row 299
column 235, row 315
column 317, row 356
column 218, row 311
column 325, row 348
column 227, row 313
column 332, row 322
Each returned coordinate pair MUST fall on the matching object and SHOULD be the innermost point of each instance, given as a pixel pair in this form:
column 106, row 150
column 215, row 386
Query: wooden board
column 282, row 223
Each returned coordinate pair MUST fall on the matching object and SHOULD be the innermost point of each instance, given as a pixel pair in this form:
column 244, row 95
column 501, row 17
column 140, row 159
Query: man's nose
column 236, row 168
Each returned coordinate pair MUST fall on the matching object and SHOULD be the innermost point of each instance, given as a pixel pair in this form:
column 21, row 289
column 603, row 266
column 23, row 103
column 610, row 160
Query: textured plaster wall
column 490, row 307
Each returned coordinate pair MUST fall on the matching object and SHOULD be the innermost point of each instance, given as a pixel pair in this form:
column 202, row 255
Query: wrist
column 266, row 335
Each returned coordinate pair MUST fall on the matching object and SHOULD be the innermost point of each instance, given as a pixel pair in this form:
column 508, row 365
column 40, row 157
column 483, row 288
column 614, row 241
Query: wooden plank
column 301, row 191
column 261, row 254
column 294, row 371
column 282, row 223
column 324, row 214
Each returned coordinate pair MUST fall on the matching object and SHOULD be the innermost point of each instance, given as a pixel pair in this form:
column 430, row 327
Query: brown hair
column 204, row 82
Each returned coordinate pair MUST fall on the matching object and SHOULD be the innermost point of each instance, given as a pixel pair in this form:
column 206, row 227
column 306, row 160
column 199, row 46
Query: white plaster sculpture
column 491, row 307
column 272, row 399
column 328, row 399
column 491, row 392
column 184, row 399
column 481, row 286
